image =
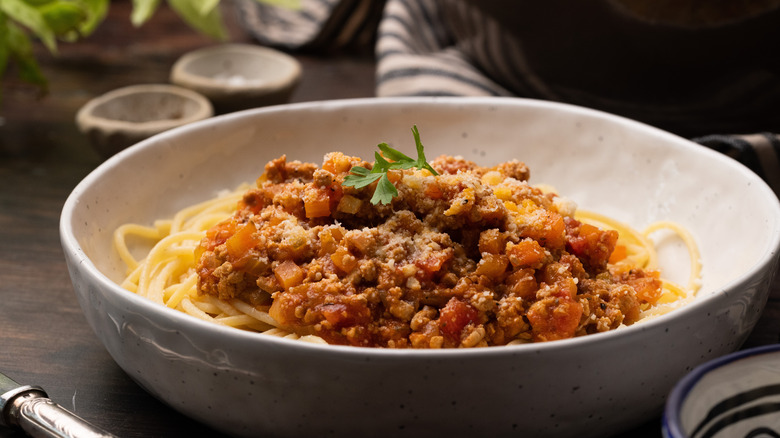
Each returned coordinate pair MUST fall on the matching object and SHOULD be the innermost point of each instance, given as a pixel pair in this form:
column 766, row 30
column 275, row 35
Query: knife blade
column 30, row 409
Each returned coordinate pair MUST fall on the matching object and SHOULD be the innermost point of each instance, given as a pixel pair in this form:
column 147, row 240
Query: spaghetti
column 172, row 272
column 166, row 273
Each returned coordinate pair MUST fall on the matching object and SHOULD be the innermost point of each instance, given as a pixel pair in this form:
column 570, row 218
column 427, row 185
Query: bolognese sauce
column 471, row 256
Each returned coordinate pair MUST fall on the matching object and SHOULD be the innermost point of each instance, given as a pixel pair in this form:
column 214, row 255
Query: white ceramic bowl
column 238, row 76
column 249, row 384
column 734, row 395
column 127, row 115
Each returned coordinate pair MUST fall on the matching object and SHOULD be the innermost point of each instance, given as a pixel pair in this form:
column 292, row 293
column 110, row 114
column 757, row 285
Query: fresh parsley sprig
column 389, row 159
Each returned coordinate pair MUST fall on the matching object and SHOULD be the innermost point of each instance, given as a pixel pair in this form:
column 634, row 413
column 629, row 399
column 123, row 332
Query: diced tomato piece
column 454, row 316
column 432, row 264
column 344, row 314
column 219, row 233
column 589, row 243
column 253, row 201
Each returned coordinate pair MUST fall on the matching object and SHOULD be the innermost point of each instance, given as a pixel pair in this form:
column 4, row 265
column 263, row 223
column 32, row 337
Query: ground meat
column 471, row 257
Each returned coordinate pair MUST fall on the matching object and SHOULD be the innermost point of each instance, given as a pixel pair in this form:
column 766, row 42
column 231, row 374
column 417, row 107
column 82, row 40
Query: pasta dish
column 403, row 253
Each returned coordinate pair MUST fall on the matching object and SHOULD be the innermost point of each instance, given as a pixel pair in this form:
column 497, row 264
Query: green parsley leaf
column 362, row 177
column 385, row 191
column 388, row 159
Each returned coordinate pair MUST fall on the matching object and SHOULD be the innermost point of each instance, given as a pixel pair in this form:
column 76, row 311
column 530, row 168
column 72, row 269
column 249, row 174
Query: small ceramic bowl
column 238, row 76
column 125, row 116
column 735, row 395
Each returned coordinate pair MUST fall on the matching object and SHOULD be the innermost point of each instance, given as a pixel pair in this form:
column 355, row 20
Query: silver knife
column 30, row 409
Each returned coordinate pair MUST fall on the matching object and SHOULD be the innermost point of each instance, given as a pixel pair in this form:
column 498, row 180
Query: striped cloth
column 712, row 76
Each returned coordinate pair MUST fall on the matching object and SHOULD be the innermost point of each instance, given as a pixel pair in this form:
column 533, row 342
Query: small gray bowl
column 125, row 116
column 238, row 76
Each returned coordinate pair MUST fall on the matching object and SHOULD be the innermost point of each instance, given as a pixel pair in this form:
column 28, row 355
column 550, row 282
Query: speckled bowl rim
column 181, row 76
column 86, row 120
column 671, row 421
column 629, row 333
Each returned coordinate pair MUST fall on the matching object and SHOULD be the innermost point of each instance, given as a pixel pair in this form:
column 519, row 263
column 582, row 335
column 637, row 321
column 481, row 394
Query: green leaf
column 5, row 49
column 204, row 7
column 143, row 10
column 393, row 154
column 422, row 163
column 37, row 3
column 359, row 182
column 96, row 11
column 21, row 52
column 63, row 18
column 209, row 24
column 380, row 164
column 32, row 18
column 385, row 191
column 360, row 170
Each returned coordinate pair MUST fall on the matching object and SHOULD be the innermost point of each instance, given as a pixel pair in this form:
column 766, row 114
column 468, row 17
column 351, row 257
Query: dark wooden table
column 44, row 339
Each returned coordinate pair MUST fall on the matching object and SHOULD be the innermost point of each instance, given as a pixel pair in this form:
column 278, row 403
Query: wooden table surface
column 44, row 339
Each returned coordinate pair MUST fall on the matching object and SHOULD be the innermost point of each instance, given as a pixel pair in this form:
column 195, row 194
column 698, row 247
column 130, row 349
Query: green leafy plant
column 389, row 159
column 53, row 21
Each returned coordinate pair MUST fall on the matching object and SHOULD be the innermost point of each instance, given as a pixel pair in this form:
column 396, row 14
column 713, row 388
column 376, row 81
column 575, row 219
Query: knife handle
column 38, row 416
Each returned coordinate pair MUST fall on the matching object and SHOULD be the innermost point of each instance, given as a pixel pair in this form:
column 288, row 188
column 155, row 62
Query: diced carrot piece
column 491, row 241
column 620, row 253
column 328, row 240
column 433, row 191
column 242, row 241
column 316, row 203
column 288, row 274
column 523, row 283
column 359, row 241
column 337, row 162
column 492, row 265
column 344, row 260
column 554, row 318
column 526, row 252
column 462, row 203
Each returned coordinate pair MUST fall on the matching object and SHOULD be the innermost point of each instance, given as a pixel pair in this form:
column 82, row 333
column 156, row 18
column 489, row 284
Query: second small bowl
column 238, row 76
column 127, row 115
